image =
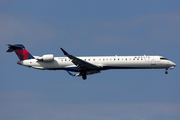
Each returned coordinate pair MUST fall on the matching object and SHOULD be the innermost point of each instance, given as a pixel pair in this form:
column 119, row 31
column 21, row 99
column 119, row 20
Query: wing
column 81, row 64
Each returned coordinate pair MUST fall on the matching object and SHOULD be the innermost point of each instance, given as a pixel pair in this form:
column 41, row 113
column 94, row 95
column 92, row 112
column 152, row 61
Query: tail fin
column 20, row 51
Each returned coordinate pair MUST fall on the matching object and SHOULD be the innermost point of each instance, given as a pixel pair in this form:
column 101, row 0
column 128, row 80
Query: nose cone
column 172, row 64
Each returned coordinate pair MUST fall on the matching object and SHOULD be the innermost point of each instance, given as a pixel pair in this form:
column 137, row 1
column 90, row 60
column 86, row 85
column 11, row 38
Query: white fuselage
column 104, row 62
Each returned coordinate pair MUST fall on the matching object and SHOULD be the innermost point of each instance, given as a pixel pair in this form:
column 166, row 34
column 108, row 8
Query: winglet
column 65, row 53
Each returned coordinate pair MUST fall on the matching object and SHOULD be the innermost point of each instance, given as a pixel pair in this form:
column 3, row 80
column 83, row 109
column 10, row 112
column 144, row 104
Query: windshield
column 163, row 59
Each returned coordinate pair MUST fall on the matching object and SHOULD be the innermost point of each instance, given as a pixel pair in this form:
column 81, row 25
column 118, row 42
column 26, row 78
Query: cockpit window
column 163, row 59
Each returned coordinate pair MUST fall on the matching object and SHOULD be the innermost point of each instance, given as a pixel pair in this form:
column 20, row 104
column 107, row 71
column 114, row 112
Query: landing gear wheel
column 84, row 77
column 166, row 72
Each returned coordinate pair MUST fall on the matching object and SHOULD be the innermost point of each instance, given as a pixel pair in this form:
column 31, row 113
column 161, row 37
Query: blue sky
column 90, row 27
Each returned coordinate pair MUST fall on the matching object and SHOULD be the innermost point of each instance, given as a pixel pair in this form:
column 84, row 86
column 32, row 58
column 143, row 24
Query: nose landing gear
column 166, row 72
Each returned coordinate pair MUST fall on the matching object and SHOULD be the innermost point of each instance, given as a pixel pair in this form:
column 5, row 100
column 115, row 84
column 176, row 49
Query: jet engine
column 46, row 58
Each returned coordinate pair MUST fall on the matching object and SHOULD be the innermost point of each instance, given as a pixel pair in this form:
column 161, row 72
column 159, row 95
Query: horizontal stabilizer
column 13, row 47
column 16, row 45
column 10, row 50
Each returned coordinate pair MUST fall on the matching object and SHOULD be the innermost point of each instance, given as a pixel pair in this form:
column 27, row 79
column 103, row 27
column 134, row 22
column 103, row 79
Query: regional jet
column 88, row 65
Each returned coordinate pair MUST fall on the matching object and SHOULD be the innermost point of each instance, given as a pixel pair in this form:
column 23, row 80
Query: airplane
column 90, row 64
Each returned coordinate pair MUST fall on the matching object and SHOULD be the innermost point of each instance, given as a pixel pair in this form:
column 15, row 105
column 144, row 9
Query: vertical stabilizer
column 20, row 51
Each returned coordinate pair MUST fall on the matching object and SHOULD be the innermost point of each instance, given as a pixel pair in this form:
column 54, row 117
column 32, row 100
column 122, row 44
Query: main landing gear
column 84, row 77
column 83, row 73
column 166, row 72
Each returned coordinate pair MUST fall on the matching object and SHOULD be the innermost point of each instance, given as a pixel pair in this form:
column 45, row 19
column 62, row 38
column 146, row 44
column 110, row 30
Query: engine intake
column 46, row 58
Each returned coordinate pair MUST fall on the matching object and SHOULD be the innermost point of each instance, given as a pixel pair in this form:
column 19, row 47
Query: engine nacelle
column 46, row 58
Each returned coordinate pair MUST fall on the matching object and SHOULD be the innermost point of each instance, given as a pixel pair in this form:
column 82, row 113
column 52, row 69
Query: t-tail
column 20, row 51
